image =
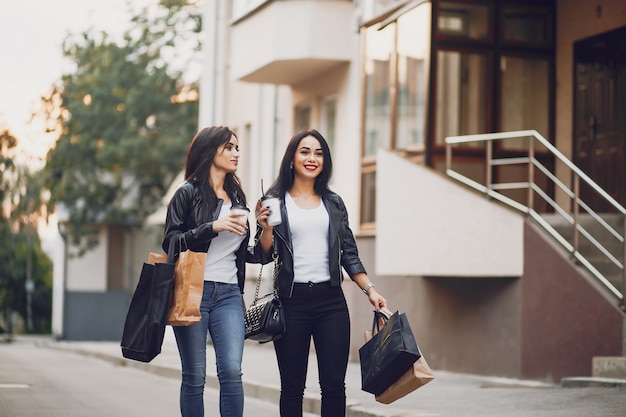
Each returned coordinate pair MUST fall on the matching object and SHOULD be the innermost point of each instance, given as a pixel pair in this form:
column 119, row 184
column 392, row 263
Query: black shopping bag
column 144, row 327
column 390, row 352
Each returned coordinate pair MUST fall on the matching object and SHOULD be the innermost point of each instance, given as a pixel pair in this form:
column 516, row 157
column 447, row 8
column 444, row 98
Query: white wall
column 262, row 114
column 56, row 252
column 89, row 272
column 428, row 225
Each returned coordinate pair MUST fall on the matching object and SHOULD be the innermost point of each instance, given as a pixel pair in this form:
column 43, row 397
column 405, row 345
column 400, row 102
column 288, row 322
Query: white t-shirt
column 309, row 236
column 221, row 257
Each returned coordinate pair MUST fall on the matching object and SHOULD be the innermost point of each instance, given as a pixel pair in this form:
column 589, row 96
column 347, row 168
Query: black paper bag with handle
column 390, row 352
column 144, row 328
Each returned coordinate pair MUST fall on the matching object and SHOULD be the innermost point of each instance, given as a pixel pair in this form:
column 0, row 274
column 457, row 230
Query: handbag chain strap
column 274, row 276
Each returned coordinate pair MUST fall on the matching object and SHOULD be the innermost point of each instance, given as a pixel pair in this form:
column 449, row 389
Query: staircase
column 608, row 269
column 590, row 238
column 595, row 241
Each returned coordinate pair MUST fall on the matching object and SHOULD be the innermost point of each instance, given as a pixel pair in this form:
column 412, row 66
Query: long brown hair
column 200, row 155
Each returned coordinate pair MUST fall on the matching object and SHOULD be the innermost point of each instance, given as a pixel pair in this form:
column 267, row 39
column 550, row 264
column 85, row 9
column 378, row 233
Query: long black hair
column 284, row 181
column 202, row 151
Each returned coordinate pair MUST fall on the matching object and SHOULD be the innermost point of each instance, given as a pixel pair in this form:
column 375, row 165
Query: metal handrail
column 491, row 190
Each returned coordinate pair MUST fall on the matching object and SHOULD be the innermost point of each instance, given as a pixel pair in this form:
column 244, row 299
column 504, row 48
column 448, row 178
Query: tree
column 23, row 264
column 8, row 142
column 124, row 119
column 24, row 250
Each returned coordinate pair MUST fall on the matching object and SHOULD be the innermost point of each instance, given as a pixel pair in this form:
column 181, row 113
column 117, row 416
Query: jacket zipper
column 291, row 253
column 339, row 260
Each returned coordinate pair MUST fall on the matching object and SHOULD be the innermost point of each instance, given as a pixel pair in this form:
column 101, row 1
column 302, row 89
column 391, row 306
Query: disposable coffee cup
column 274, row 219
column 242, row 212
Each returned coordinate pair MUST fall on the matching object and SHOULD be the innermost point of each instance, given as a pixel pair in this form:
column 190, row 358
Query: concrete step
column 609, row 367
column 589, row 382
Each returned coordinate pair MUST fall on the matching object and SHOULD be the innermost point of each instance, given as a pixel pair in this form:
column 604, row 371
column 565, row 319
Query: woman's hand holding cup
column 268, row 212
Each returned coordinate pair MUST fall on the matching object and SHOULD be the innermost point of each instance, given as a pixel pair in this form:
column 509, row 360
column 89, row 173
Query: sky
column 31, row 37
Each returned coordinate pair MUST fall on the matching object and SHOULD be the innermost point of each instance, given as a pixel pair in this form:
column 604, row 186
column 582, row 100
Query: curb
column 254, row 389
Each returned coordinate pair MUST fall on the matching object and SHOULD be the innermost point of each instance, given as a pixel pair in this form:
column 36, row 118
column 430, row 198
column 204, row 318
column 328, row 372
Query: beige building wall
column 262, row 113
column 482, row 314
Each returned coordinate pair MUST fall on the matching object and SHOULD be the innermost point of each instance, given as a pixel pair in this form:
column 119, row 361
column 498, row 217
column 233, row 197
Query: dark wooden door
column 600, row 115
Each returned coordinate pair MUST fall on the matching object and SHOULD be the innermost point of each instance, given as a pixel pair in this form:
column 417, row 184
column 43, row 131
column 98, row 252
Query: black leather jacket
column 342, row 248
column 183, row 220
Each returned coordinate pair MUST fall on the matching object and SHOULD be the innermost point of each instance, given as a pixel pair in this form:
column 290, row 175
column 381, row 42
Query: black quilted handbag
column 265, row 319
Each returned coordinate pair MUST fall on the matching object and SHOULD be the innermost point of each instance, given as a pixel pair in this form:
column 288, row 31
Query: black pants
column 319, row 311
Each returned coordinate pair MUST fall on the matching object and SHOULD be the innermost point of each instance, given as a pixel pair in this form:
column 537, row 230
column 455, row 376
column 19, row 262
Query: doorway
column 599, row 109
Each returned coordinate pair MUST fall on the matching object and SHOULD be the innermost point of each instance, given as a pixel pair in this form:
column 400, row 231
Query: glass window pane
column 302, row 117
column 412, row 97
column 368, row 197
column 461, row 102
column 379, row 51
column 524, row 97
column 371, row 9
column 242, row 7
column 526, row 25
column 463, row 20
column 329, row 116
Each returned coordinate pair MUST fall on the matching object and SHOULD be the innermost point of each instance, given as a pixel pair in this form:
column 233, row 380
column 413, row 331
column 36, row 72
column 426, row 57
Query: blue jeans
column 222, row 318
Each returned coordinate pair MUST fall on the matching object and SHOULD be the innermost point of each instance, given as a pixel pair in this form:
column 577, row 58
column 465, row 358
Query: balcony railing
column 577, row 207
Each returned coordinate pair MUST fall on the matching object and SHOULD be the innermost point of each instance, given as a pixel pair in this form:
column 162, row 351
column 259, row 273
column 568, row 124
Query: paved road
column 42, row 382
column 91, row 379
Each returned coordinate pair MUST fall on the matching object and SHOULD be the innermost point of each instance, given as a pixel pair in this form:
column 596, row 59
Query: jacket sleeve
column 180, row 222
column 350, row 260
column 255, row 253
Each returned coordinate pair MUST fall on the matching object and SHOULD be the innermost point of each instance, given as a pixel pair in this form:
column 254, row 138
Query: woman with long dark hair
column 313, row 242
column 199, row 218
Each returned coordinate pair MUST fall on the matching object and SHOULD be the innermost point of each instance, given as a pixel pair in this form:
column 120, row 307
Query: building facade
column 486, row 290
column 386, row 82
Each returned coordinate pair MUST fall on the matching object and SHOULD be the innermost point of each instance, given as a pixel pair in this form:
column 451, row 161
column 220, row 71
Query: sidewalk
column 449, row 394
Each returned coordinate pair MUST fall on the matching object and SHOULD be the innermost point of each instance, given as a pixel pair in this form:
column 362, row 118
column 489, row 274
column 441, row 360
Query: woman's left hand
column 262, row 213
column 377, row 300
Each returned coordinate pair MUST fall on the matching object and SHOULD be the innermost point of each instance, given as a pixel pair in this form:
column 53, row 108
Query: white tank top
column 309, row 236
column 221, row 257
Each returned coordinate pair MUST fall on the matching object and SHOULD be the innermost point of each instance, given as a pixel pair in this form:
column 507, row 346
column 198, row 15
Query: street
column 40, row 377
column 43, row 382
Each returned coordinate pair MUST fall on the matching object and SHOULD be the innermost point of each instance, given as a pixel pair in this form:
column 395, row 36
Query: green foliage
column 21, row 256
column 13, row 272
column 8, row 142
column 124, row 119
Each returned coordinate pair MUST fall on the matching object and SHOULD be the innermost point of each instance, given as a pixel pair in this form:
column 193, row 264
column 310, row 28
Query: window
column 329, row 119
column 413, row 62
column 461, row 101
column 302, row 117
column 462, row 20
column 378, row 55
column 243, row 7
column 368, row 197
column 492, row 69
column 524, row 97
column 395, row 113
column 370, row 9
column 522, row 24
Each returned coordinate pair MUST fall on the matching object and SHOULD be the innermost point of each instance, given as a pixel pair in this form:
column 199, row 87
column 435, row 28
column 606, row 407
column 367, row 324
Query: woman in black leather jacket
column 313, row 242
column 199, row 217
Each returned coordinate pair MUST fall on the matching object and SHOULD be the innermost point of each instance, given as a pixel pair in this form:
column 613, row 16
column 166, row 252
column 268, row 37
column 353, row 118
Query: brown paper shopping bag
column 188, row 287
column 419, row 375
